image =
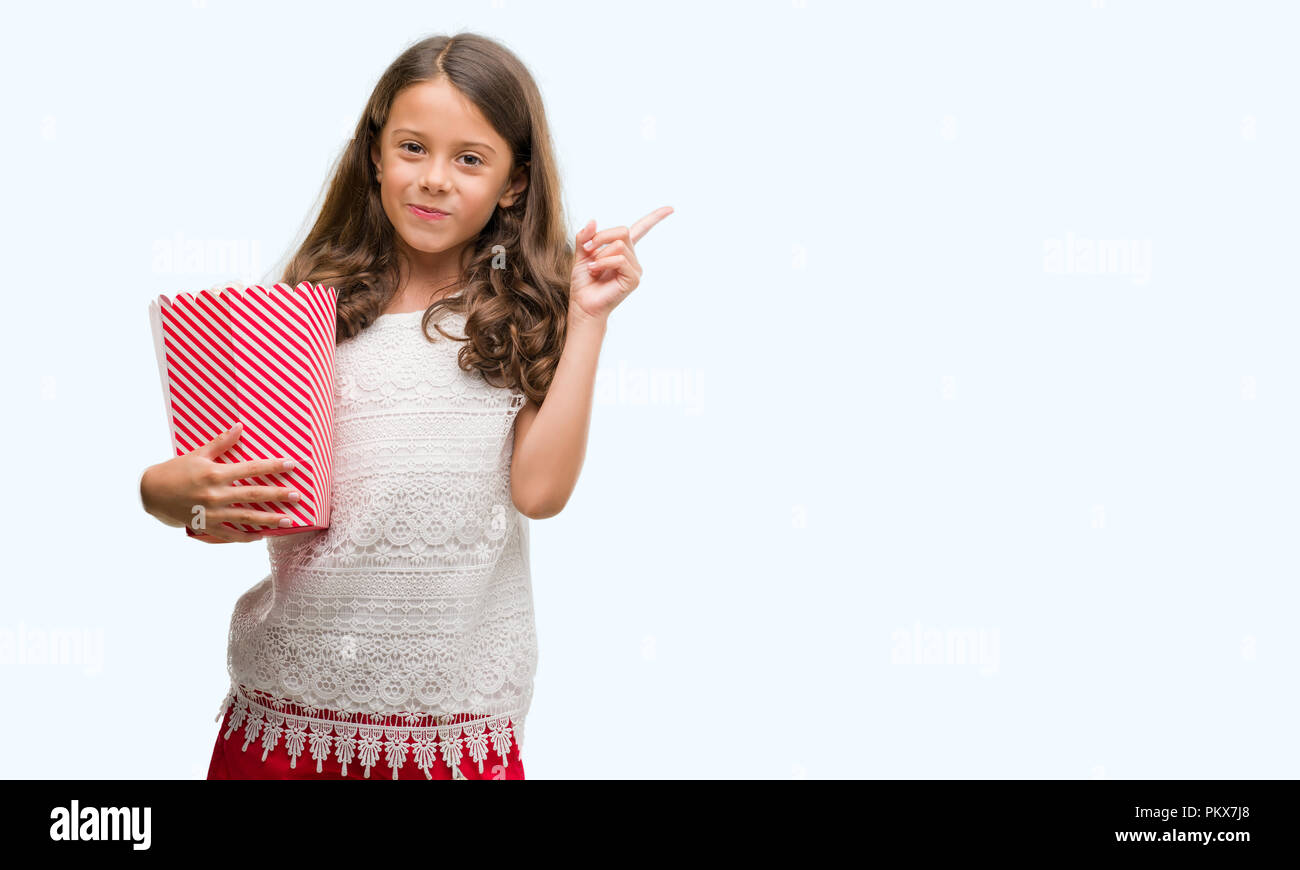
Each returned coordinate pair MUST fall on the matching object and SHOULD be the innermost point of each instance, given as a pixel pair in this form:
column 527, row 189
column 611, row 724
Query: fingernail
column 286, row 523
column 289, row 466
column 587, row 244
column 293, row 496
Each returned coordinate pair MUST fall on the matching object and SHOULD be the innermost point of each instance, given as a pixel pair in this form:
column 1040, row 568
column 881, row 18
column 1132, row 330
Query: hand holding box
column 263, row 358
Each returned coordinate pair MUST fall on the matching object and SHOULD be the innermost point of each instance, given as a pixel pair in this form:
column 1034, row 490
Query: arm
column 550, row 440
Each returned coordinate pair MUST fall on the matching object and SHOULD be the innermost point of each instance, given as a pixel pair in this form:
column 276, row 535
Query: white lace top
column 407, row 626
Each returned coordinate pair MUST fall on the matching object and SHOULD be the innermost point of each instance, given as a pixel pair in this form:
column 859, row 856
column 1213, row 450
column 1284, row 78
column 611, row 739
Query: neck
column 425, row 278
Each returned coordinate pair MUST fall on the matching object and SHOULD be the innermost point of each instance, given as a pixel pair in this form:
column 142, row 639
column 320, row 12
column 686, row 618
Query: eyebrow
column 418, row 133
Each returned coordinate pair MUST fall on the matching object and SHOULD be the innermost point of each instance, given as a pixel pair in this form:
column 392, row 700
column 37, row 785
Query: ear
column 374, row 159
column 518, row 184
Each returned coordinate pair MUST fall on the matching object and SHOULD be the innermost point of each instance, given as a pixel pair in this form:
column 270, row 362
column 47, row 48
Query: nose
column 437, row 177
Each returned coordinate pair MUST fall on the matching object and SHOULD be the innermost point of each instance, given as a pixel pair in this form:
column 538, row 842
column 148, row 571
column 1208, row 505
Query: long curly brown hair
column 515, row 313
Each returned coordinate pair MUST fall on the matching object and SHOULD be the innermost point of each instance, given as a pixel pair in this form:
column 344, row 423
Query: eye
column 479, row 160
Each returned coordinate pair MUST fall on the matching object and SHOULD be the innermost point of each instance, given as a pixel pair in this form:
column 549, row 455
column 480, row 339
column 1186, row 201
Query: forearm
column 550, row 458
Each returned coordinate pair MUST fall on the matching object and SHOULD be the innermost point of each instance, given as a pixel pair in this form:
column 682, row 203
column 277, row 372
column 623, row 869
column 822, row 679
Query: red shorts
column 240, row 756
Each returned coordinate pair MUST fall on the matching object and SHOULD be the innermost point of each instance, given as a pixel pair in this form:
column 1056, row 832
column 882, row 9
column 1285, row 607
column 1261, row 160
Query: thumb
column 584, row 235
column 222, row 442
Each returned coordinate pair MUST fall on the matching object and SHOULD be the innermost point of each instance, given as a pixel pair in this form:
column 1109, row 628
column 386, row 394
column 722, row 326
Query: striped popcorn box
column 264, row 358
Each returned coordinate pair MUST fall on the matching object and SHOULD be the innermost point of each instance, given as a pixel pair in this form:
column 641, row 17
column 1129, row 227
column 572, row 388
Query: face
column 438, row 151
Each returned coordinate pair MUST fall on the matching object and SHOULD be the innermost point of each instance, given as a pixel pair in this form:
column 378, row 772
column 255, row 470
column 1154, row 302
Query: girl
column 401, row 639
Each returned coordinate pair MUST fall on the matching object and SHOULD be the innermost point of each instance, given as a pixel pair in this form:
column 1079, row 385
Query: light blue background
column 902, row 427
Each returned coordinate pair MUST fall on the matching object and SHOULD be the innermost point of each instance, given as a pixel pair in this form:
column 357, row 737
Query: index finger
column 641, row 227
column 230, row 472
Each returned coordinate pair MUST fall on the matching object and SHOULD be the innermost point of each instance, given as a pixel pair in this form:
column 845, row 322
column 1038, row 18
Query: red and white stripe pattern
column 264, row 358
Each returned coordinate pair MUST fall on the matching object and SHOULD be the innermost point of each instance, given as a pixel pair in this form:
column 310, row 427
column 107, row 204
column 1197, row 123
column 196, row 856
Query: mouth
column 429, row 214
